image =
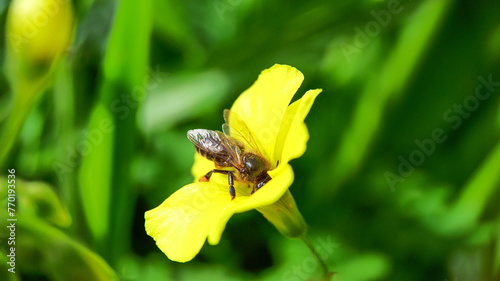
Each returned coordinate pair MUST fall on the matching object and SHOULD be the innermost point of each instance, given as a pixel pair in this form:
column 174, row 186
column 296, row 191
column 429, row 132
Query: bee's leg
column 261, row 184
column 206, row 177
column 230, row 180
column 209, row 174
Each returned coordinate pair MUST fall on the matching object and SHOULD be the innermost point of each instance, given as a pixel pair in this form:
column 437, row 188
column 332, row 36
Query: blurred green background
column 400, row 180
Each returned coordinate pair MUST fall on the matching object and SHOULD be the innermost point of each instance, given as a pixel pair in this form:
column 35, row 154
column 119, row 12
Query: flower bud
column 37, row 33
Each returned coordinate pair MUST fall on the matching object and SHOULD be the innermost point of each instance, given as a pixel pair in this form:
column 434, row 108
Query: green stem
column 13, row 124
column 324, row 268
column 25, row 94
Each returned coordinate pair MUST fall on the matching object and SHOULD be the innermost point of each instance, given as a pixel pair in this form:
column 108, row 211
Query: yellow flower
column 200, row 210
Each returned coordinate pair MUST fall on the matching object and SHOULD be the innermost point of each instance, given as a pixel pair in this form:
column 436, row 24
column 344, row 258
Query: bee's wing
column 238, row 129
column 217, row 146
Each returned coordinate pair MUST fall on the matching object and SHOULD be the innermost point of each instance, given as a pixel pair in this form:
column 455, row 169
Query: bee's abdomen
column 217, row 160
column 204, row 153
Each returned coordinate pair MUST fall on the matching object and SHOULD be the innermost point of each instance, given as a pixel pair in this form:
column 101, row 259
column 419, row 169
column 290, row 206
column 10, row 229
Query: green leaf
column 95, row 172
column 385, row 85
column 181, row 97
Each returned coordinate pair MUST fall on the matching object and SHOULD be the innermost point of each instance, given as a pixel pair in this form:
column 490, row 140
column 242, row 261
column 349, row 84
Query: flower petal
column 263, row 105
column 201, row 166
column 293, row 135
column 282, row 178
column 180, row 225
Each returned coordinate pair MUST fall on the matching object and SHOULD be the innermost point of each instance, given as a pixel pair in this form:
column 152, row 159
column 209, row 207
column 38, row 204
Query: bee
column 233, row 148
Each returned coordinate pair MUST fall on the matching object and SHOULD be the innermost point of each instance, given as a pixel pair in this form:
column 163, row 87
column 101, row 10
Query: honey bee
column 233, row 148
